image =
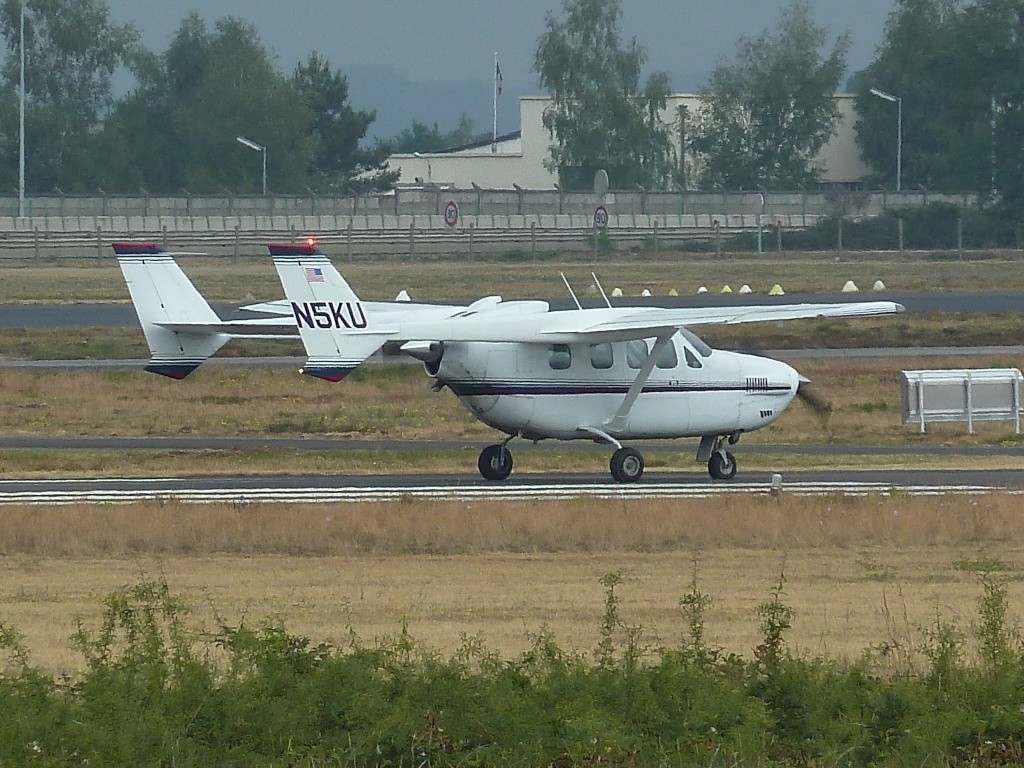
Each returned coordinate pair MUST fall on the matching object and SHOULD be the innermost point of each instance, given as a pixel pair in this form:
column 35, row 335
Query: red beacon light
column 311, row 242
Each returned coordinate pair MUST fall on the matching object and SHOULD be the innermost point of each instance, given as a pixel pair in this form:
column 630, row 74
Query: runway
column 306, row 489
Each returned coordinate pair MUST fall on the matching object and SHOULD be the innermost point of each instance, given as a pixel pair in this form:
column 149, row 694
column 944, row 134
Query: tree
column 920, row 61
column 422, row 138
column 338, row 163
column 766, row 115
column 600, row 117
column 73, row 50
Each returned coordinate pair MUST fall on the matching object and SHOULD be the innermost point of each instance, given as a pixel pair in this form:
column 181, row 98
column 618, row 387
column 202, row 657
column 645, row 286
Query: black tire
column 627, row 465
column 495, row 462
column 722, row 467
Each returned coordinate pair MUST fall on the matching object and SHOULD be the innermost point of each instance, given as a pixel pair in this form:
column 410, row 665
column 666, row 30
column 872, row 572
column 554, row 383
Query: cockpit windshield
column 702, row 349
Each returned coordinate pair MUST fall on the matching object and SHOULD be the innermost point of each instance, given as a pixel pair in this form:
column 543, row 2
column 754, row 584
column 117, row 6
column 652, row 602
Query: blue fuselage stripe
column 470, row 389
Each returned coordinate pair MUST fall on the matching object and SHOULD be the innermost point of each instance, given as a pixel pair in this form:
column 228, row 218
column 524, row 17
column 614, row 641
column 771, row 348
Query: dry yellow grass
column 398, row 403
column 253, row 278
column 861, row 573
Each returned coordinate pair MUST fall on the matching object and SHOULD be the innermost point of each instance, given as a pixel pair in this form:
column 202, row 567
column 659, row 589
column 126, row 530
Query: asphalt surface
column 659, row 483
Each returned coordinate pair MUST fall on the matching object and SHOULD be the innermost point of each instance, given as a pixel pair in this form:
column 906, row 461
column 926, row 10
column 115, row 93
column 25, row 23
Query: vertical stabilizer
column 334, row 325
column 163, row 295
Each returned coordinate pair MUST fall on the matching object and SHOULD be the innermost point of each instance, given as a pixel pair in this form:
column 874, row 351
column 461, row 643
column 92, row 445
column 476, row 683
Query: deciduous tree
column 766, row 115
column 600, row 117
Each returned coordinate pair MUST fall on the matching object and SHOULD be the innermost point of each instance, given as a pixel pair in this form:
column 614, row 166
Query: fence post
column 655, row 237
column 238, row 234
column 99, row 242
column 412, row 239
column 293, row 235
column 970, row 403
column 759, row 233
column 348, row 240
column 920, row 400
column 960, row 237
column 839, row 233
column 472, row 230
column 1016, row 405
column 778, row 236
column 899, row 232
column 533, row 240
column 35, row 241
column 718, row 239
column 163, row 230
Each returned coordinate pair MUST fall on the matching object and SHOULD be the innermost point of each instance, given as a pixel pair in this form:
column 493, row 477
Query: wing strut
column 617, row 423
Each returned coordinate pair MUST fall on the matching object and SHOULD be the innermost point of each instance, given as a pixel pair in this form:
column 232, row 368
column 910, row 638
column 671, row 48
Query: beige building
column 518, row 159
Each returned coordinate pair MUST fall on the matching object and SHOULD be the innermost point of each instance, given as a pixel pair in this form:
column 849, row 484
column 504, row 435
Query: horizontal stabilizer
column 163, row 296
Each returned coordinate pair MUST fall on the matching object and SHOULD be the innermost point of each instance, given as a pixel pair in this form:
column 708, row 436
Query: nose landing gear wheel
column 495, row 462
column 722, row 465
column 627, row 465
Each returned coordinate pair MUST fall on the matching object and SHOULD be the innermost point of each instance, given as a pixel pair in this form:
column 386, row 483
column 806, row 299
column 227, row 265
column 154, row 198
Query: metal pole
column 264, row 171
column 21, row 120
column 899, row 143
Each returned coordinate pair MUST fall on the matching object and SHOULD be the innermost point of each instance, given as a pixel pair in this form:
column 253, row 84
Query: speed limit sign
column 600, row 217
column 451, row 213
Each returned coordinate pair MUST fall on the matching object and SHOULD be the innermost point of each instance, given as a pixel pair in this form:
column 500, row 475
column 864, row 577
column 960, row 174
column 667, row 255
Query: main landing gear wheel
column 627, row 465
column 495, row 462
column 722, row 465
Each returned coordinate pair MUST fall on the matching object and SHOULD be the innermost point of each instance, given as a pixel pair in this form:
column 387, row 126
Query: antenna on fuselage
column 601, row 289
column 578, row 305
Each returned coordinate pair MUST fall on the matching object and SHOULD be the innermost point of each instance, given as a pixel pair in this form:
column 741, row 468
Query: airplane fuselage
column 566, row 391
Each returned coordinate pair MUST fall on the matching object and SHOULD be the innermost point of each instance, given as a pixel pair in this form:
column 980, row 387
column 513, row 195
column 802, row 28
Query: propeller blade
column 816, row 402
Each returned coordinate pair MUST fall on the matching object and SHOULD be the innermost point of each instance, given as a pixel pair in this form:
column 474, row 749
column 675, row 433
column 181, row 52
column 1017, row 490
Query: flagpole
column 494, row 91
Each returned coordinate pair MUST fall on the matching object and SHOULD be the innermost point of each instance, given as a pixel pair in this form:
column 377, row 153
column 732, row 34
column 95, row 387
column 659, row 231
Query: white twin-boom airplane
column 608, row 374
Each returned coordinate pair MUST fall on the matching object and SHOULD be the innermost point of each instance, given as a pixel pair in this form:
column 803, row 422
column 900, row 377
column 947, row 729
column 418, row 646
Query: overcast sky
column 453, row 41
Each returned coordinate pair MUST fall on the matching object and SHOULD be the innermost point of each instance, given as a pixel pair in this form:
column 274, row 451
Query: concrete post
column 99, row 242
column 533, row 240
column 412, row 239
column 348, row 240
column 899, row 232
column 238, row 234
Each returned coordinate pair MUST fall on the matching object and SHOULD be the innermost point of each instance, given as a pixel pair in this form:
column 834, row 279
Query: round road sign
column 600, row 217
column 451, row 213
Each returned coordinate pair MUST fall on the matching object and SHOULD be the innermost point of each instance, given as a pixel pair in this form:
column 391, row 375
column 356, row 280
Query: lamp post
column 21, row 118
column 430, row 179
column 899, row 132
column 259, row 148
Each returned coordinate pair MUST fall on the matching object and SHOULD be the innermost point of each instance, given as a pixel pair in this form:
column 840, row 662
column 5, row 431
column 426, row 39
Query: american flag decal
column 314, row 275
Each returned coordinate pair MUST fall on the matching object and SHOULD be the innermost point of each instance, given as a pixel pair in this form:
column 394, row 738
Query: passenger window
column 691, row 359
column 560, row 357
column 668, row 358
column 636, row 353
column 601, row 356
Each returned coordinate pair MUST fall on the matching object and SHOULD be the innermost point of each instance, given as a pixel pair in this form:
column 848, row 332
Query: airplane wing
column 649, row 321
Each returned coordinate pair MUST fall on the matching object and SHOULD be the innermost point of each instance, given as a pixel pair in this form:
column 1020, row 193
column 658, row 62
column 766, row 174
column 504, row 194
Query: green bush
column 157, row 692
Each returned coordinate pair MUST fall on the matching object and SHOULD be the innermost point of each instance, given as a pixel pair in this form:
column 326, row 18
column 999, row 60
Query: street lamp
column 429, row 173
column 899, row 132
column 253, row 145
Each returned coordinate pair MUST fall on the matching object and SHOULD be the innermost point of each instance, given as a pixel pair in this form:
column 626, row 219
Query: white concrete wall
column 521, row 161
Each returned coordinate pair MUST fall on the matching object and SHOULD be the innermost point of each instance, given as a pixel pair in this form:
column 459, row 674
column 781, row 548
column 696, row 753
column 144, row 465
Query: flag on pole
column 497, row 78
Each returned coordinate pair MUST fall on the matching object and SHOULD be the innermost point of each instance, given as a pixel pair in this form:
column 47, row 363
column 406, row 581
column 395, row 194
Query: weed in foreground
column 157, row 691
